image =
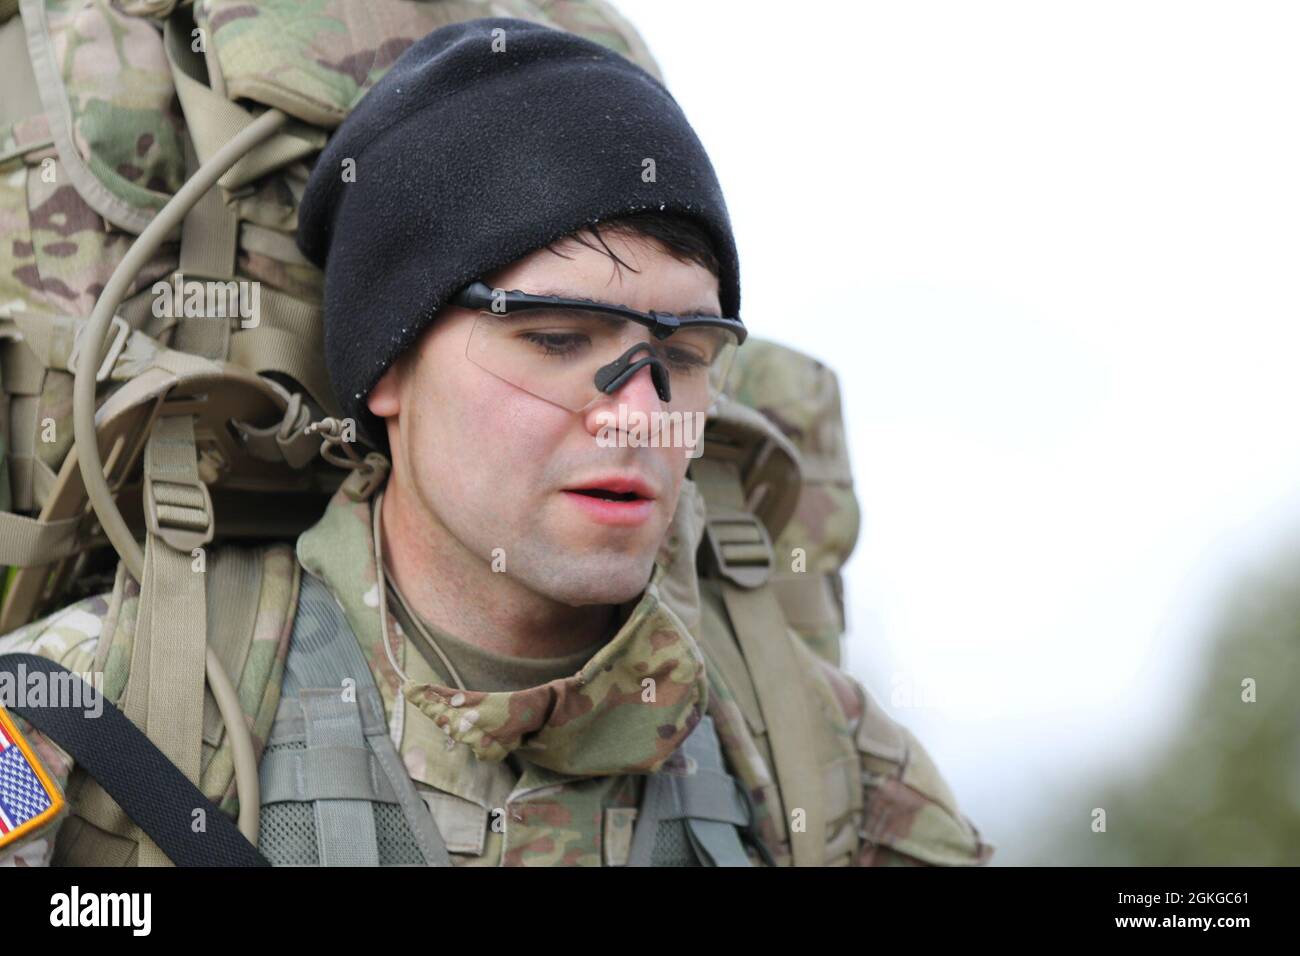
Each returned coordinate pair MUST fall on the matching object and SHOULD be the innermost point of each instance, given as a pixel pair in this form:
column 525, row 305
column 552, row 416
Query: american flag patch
column 28, row 797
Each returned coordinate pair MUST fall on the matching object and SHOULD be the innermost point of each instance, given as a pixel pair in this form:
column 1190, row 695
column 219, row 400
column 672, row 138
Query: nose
column 638, row 393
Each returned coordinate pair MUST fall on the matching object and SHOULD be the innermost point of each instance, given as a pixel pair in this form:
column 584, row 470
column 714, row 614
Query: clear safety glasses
column 572, row 352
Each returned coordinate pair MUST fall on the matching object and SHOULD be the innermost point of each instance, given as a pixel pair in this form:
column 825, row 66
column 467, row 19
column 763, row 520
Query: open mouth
column 606, row 495
column 619, row 500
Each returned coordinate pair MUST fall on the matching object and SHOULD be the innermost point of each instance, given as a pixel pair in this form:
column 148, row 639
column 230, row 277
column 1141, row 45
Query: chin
column 601, row 581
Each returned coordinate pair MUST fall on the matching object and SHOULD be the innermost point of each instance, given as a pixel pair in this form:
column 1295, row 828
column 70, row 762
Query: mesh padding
column 288, row 834
column 396, row 841
column 287, row 831
column 672, row 845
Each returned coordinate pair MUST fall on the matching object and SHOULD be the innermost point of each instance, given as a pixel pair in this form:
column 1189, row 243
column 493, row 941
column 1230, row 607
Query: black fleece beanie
column 465, row 161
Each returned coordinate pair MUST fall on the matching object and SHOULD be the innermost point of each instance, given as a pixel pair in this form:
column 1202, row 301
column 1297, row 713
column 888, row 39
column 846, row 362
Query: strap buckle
column 739, row 548
column 177, row 508
column 180, row 514
column 120, row 333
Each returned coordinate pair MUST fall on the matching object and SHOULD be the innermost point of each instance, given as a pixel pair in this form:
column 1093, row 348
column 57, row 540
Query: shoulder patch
column 30, row 800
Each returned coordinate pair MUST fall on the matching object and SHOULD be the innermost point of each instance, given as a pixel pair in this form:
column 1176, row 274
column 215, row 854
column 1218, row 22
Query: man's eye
column 685, row 360
column 556, row 343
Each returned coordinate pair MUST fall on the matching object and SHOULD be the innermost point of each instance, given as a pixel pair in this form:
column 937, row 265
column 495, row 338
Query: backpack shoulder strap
column 693, row 794
column 151, row 790
column 801, row 397
column 248, row 600
column 251, row 640
column 741, row 558
column 330, row 766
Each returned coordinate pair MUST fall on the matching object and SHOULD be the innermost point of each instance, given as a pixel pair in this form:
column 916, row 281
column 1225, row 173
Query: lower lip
column 618, row 513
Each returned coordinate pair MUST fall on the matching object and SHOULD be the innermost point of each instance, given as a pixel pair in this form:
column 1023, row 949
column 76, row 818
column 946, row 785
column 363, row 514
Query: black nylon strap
column 150, row 788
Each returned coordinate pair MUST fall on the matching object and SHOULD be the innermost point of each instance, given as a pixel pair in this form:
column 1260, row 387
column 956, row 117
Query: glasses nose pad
column 610, row 378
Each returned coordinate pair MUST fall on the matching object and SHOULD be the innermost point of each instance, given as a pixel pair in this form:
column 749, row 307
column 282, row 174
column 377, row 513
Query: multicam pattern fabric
column 24, row 136
column 69, row 637
column 67, row 212
column 259, row 683
column 316, row 58
column 556, row 812
column 594, row 723
column 104, row 148
column 57, row 253
column 578, row 740
column 801, row 396
column 911, row 815
column 113, row 81
column 95, row 636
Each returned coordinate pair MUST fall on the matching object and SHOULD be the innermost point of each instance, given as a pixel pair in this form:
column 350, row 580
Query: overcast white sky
column 1051, row 250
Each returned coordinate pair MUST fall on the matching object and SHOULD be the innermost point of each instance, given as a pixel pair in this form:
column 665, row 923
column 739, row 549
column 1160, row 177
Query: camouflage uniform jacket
column 565, row 762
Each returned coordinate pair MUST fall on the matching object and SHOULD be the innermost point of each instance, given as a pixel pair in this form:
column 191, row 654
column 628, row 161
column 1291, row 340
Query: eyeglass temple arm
column 480, row 295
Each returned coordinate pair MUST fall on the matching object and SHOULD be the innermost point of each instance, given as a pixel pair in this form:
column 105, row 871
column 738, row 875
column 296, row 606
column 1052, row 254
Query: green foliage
column 1226, row 790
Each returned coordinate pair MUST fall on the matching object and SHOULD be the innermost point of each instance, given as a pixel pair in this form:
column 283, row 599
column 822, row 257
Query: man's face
column 495, row 466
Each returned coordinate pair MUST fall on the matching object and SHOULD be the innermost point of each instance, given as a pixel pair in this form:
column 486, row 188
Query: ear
column 384, row 399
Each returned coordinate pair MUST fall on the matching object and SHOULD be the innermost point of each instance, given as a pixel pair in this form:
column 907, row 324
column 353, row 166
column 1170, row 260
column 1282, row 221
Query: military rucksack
column 145, row 144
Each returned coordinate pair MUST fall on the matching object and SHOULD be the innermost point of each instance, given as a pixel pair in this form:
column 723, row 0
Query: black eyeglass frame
column 479, row 295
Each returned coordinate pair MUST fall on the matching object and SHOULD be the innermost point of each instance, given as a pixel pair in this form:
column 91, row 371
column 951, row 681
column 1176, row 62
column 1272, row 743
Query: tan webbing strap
column 274, row 350
column 25, row 542
column 232, row 570
column 287, row 339
column 19, row 98
column 208, row 242
column 24, row 372
column 42, row 341
column 165, row 695
column 202, row 335
column 54, row 340
column 725, row 658
column 180, row 364
column 6, row 491
column 209, row 233
column 764, row 640
column 48, row 338
column 24, row 421
column 234, row 589
column 213, row 120
column 809, row 601
column 21, row 485
column 272, row 243
column 301, row 319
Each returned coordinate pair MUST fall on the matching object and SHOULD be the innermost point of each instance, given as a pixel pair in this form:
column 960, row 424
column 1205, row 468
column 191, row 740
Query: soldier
column 499, row 649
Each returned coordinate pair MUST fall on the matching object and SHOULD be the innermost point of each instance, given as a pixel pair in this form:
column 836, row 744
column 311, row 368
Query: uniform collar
column 625, row 711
